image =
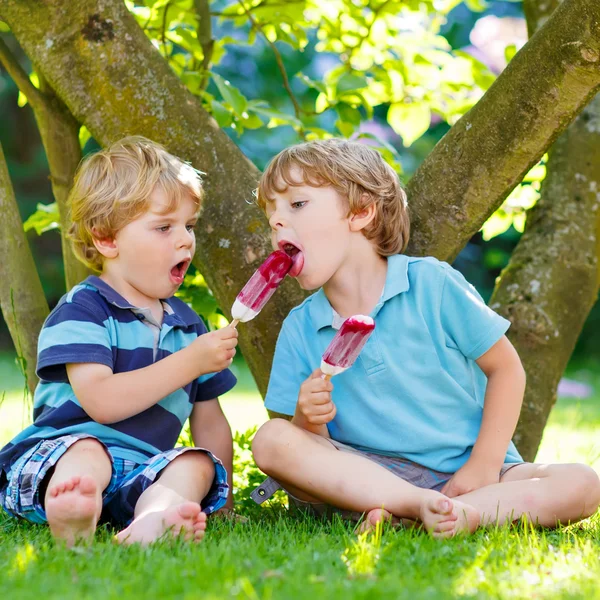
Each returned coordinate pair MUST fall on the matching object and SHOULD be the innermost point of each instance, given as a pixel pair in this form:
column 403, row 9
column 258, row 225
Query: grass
column 274, row 556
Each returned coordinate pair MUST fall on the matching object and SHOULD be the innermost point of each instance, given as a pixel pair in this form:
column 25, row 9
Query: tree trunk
column 22, row 298
column 102, row 66
column 552, row 279
column 60, row 136
column 486, row 154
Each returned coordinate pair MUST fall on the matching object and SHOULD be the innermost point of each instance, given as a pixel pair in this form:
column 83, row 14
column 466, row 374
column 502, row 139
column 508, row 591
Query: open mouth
column 178, row 271
column 296, row 255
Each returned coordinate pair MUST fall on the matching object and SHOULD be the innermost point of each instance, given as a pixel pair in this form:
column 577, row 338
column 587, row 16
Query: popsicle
column 346, row 345
column 260, row 287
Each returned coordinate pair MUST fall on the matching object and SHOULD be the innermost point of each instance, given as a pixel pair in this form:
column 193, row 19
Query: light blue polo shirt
column 415, row 391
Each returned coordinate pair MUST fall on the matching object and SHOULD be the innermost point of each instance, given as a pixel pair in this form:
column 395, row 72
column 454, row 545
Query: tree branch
column 204, row 33
column 19, row 76
column 278, row 60
column 60, row 136
column 486, row 154
column 22, row 300
column 552, row 279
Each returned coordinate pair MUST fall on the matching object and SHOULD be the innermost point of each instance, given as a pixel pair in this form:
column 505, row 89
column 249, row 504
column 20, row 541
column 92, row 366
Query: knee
column 584, row 484
column 90, row 447
column 269, row 441
column 195, row 461
column 590, row 483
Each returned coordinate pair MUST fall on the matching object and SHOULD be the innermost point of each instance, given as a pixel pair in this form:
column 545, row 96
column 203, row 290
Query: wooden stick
column 234, row 323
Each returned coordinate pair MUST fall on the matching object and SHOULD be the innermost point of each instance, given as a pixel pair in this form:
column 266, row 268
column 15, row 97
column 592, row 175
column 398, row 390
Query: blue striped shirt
column 94, row 324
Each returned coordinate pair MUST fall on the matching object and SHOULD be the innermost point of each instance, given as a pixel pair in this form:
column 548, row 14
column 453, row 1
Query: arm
column 211, row 430
column 109, row 397
column 502, row 405
column 503, row 399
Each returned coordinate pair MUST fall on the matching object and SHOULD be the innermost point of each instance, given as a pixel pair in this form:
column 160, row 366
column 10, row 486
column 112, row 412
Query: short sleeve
column 73, row 333
column 469, row 324
column 212, row 385
column 290, row 369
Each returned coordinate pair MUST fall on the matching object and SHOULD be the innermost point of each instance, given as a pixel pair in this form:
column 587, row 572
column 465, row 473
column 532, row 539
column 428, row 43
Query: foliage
column 45, row 218
column 514, row 209
column 387, row 54
column 246, row 475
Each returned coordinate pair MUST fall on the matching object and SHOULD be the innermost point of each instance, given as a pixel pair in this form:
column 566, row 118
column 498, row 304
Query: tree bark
column 60, row 136
column 22, row 298
column 552, row 279
column 111, row 78
column 488, row 151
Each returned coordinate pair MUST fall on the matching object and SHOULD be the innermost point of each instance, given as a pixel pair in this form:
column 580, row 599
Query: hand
column 471, row 476
column 314, row 400
column 215, row 350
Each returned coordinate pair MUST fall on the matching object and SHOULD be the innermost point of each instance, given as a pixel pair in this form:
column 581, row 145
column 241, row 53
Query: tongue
column 176, row 271
column 298, row 264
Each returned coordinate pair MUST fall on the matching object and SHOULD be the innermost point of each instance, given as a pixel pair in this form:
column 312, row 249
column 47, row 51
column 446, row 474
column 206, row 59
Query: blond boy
column 123, row 364
column 420, row 426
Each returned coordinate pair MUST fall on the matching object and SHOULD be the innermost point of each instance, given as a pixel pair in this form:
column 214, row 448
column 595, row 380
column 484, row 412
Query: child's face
column 154, row 251
column 313, row 220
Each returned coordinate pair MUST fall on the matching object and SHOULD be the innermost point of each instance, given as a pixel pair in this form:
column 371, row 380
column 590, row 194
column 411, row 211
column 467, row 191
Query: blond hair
column 358, row 173
column 113, row 187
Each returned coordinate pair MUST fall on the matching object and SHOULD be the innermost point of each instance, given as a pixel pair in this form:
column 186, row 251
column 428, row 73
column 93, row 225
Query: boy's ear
column 107, row 246
column 360, row 220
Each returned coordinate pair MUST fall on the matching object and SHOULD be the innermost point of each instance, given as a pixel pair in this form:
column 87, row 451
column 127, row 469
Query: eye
column 190, row 227
column 298, row 204
column 163, row 228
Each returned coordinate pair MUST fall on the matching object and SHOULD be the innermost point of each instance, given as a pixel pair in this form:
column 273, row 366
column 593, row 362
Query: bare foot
column 444, row 518
column 185, row 518
column 73, row 508
column 378, row 515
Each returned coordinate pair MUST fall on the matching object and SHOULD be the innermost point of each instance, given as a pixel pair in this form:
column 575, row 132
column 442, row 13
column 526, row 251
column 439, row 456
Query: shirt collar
column 396, row 282
column 171, row 317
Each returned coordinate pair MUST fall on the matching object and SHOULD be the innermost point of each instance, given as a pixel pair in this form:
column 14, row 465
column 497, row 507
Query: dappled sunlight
column 24, row 559
column 527, row 564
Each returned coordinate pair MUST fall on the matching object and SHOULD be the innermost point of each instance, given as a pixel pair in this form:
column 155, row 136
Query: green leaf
column 410, row 121
column 45, row 218
column 275, row 116
column 350, row 82
column 317, row 85
column 345, row 128
column 497, row 224
column 4, row 28
column 84, row 136
column 509, row 52
column 348, row 114
column 230, row 94
column 222, row 116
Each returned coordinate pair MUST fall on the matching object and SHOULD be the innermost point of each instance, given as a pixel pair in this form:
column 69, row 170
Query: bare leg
column 311, row 468
column 172, row 504
column 547, row 494
column 73, row 500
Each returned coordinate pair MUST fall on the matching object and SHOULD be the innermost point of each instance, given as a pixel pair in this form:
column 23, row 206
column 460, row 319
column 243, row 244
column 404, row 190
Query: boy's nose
column 186, row 239
column 276, row 221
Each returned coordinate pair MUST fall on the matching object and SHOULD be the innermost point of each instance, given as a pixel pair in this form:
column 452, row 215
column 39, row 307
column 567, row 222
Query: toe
column 189, row 510
column 442, row 506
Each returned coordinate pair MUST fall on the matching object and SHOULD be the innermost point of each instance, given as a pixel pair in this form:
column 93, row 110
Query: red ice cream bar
column 346, row 345
column 260, row 287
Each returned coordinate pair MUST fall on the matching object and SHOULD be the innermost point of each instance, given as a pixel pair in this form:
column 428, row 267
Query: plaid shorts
column 20, row 497
column 407, row 470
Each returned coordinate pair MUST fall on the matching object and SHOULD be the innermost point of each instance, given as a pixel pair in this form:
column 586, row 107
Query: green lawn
column 275, row 556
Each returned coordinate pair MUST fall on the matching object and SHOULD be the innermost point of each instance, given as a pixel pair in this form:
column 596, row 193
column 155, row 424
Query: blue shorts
column 20, row 497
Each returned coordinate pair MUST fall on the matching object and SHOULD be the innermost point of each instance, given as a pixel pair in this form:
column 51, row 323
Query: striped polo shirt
column 94, row 324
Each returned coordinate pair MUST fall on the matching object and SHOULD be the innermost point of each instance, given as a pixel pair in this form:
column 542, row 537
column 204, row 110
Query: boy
column 123, row 364
column 406, row 431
